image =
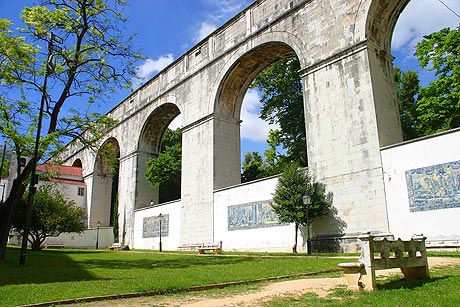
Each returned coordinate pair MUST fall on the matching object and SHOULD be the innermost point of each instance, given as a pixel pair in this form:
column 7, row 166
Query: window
column 22, row 162
column 81, row 191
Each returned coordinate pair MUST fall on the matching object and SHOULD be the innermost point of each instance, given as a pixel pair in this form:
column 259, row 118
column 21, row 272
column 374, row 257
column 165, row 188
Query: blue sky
column 167, row 29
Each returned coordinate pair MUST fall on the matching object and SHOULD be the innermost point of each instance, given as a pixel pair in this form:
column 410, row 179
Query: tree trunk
column 7, row 211
column 294, row 248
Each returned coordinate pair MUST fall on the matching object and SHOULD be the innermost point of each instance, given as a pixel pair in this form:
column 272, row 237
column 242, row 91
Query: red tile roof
column 61, row 169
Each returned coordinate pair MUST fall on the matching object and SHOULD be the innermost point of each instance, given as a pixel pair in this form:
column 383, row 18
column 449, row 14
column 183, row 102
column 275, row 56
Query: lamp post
column 307, row 201
column 50, row 65
column 97, row 234
column 160, row 219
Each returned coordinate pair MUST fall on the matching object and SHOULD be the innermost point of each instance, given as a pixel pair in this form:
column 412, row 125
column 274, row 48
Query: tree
column 95, row 60
column 282, row 103
column 293, row 184
column 252, row 167
column 407, row 87
column 164, row 171
column 439, row 102
column 52, row 215
column 5, row 168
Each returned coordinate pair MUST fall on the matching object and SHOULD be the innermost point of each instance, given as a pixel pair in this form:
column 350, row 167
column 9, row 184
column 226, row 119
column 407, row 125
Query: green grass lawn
column 51, row 275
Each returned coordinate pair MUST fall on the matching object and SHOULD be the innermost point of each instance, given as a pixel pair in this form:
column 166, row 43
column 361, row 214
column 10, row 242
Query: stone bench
column 53, row 245
column 115, row 246
column 382, row 254
column 215, row 247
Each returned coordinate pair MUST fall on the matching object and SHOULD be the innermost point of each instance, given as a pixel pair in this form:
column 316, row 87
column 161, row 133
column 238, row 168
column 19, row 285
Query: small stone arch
column 149, row 145
column 105, row 184
column 77, row 163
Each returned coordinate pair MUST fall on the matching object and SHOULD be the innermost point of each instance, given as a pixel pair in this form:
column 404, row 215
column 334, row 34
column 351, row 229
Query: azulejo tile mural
column 434, row 187
column 151, row 226
column 252, row 215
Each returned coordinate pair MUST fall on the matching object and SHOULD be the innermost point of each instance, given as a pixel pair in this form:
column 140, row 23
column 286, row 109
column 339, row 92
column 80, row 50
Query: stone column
column 348, row 118
column 210, row 160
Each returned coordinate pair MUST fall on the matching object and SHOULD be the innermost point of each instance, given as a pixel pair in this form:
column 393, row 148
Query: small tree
column 288, row 203
column 164, row 171
column 52, row 215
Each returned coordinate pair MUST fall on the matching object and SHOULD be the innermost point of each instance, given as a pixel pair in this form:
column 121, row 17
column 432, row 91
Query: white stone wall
column 85, row 239
column 171, row 241
column 275, row 238
column 441, row 223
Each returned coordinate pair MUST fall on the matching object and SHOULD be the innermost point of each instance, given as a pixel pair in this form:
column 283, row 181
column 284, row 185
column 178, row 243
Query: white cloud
column 147, row 69
column 205, row 29
column 422, row 17
column 253, row 128
column 219, row 11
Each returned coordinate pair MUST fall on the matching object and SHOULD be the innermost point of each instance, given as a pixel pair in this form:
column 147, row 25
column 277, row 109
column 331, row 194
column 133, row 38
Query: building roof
column 61, row 170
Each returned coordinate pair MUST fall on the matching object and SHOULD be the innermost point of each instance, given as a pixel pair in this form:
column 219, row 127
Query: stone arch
column 381, row 21
column 149, row 145
column 241, row 69
column 77, row 163
column 105, row 184
column 229, row 98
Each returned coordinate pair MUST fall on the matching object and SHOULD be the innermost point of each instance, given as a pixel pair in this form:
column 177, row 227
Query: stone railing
column 409, row 256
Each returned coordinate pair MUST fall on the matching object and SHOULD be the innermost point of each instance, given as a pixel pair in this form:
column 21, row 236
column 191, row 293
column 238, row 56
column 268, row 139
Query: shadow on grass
column 82, row 265
column 41, row 267
column 408, row 284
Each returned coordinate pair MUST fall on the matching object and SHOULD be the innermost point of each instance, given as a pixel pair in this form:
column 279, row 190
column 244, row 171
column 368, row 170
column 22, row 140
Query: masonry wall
column 146, row 227
column 422, row 184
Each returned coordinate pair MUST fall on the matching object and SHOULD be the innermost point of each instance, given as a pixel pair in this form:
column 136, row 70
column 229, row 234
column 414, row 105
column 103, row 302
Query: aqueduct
column 349, row 101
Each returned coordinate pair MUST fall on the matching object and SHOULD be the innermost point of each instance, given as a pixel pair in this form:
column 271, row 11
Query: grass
column 443, row 289
column 66, row 274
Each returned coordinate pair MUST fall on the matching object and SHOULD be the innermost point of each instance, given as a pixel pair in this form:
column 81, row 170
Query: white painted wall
column 396, row 160
column 85, row 239
column 276, row 238
column 170, row 241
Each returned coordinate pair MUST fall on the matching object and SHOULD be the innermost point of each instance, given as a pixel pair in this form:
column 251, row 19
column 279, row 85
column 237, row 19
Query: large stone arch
column 105, row 184
column 149, row 145
column 234, row 83
column 381, row 21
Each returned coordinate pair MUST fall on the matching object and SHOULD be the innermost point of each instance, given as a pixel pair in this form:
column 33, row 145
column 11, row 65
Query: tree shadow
column 334, row 225
column 61, row 265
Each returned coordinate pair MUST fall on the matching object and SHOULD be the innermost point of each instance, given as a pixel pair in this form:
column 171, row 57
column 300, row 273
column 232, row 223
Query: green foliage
column 293, row 184
column 439, row 102
column 52, row 214
column 407, row 87
column 5, row 168
column 282, row 103
column 96, row 59
column 164, row 171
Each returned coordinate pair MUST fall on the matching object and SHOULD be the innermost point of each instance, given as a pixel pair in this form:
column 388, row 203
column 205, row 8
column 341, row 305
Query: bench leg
column 368, row 279
column 352, row 275
column 414, row 273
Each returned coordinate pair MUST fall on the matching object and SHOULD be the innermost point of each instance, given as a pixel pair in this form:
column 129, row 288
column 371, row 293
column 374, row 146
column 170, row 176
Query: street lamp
column 50, row 65
column 160, row 219
column 307, row 201
column 97, row 234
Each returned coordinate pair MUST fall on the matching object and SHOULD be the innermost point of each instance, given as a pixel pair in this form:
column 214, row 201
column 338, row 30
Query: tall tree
column 282, row 103
column 52, row 214
column 293, row 184
column 164, row 171
column 439, row 102
column 407, row 87
column 96, row 59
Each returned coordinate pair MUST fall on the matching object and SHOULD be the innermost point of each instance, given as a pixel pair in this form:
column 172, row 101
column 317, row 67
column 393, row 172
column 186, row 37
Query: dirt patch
column 319, row 286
